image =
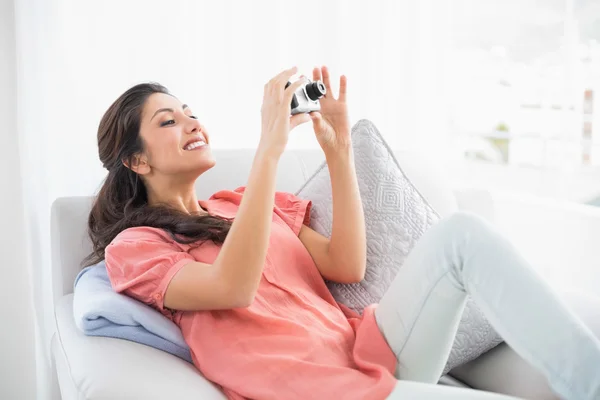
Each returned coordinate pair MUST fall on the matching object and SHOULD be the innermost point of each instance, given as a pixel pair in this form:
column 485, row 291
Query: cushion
column 396, row 216
column 100, row 311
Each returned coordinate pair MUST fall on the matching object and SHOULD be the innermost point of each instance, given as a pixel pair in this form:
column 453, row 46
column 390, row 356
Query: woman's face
column 175, row 143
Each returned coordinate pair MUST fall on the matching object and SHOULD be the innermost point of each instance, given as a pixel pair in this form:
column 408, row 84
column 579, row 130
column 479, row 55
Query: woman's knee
column 462, row 221
column 464, row 229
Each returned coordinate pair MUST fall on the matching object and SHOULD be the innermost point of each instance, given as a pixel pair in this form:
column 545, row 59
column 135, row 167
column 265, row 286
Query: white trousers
column 464, row 255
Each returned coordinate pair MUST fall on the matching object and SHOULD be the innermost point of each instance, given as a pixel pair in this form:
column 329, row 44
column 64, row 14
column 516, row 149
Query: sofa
column 105, row 368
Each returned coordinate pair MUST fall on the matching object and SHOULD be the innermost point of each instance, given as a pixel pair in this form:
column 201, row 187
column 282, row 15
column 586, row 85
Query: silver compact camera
column 306, row 98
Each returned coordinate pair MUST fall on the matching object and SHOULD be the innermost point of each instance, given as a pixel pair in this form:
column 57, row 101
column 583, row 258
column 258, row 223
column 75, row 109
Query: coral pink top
column 293, row 342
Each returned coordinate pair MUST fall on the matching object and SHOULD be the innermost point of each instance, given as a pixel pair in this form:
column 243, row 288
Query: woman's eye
column 169, row 122
column 193, row 116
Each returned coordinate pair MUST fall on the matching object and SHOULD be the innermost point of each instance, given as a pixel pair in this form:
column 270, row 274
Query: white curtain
column 75, row 57
column 17, row 368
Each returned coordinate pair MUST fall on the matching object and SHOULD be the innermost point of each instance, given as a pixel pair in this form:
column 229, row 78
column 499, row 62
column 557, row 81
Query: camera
column 306, row 98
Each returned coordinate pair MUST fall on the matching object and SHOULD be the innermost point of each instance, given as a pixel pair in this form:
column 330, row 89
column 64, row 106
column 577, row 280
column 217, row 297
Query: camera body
column 306, row 98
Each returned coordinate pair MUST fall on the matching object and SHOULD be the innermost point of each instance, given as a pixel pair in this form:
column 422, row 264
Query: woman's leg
column 516, row 376
column 462, row 255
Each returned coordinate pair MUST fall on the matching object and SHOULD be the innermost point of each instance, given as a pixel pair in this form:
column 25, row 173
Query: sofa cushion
column 233, row 167
column 396, row 216
column 106, row 368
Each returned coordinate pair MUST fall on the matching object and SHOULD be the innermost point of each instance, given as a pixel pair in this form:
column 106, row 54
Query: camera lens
column 315, row 90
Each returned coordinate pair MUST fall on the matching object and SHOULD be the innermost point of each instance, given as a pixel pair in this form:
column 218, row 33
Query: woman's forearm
column 347, row 247
column 244, row 251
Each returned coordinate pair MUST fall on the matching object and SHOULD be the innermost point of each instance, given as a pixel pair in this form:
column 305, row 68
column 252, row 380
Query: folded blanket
column 100, row 311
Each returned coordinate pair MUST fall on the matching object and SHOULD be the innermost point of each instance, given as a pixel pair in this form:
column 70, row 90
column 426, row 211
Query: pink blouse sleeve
column 293, row 210
column 141, row 263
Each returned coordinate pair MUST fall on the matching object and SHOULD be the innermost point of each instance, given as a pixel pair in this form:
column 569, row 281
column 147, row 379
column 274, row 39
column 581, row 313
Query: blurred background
column 500, row 94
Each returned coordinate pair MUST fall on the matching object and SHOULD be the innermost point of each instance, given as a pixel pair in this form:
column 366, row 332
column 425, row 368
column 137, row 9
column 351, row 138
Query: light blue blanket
column 100, row 311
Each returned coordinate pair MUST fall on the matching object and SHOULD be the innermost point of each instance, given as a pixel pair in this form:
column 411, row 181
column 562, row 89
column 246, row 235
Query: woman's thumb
column 316, row 119
column 298, row 119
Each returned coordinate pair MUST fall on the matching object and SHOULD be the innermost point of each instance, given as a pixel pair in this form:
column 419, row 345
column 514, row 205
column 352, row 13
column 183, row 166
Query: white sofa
column 105, row 368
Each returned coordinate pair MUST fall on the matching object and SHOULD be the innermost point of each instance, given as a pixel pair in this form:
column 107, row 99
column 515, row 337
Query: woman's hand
column 331, row 125
column 275, row 112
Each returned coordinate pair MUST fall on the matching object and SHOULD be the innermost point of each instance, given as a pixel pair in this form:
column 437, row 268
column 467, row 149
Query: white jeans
column 464, row 255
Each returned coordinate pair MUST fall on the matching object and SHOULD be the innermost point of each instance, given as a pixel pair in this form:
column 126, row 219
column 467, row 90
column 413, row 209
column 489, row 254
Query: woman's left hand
column 331, row 124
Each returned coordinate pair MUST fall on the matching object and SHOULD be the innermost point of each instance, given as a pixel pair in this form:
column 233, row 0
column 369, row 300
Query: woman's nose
column 193, row 126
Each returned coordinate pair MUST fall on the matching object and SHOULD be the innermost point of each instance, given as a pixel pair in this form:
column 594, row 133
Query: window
column 525, row 75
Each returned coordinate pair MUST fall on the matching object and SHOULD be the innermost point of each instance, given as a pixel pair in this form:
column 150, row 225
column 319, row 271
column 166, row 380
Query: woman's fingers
column 277, row 83
column 316, row 74
column 290, row 90
column 323, row 75
column 285, row 75
column 282, row 78
column 326, row 81
column 343, row 86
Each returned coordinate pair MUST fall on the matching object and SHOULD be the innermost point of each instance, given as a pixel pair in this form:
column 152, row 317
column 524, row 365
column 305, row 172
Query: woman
column 249, row 295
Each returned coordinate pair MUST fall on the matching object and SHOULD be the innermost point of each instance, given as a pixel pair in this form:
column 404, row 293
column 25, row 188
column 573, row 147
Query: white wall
column 17, row 349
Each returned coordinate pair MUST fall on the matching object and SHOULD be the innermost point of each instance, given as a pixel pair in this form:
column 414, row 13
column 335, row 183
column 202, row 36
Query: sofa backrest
column 70, row 243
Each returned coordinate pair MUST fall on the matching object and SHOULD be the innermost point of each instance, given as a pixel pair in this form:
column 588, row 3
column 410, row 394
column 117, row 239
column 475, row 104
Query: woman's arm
column 233, row 279
column 348, row 244
column 241, row 259
column 343, row 257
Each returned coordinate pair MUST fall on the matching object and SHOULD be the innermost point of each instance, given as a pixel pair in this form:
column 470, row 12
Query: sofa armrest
column 94, row 368
column 559, row 238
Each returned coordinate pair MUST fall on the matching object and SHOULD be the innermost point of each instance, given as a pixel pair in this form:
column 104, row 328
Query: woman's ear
column 139, row 164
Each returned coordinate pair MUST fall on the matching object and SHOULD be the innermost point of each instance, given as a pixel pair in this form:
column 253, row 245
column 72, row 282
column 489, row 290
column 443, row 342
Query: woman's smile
column 199, row 144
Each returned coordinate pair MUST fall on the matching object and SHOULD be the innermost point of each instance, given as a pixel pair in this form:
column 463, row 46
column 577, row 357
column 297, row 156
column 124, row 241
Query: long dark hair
column 122, row 202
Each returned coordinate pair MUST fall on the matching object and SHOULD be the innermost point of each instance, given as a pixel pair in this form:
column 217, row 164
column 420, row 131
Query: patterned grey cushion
column 396, row 215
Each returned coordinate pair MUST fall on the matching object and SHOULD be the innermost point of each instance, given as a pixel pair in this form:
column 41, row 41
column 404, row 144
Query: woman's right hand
column 275, row 111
